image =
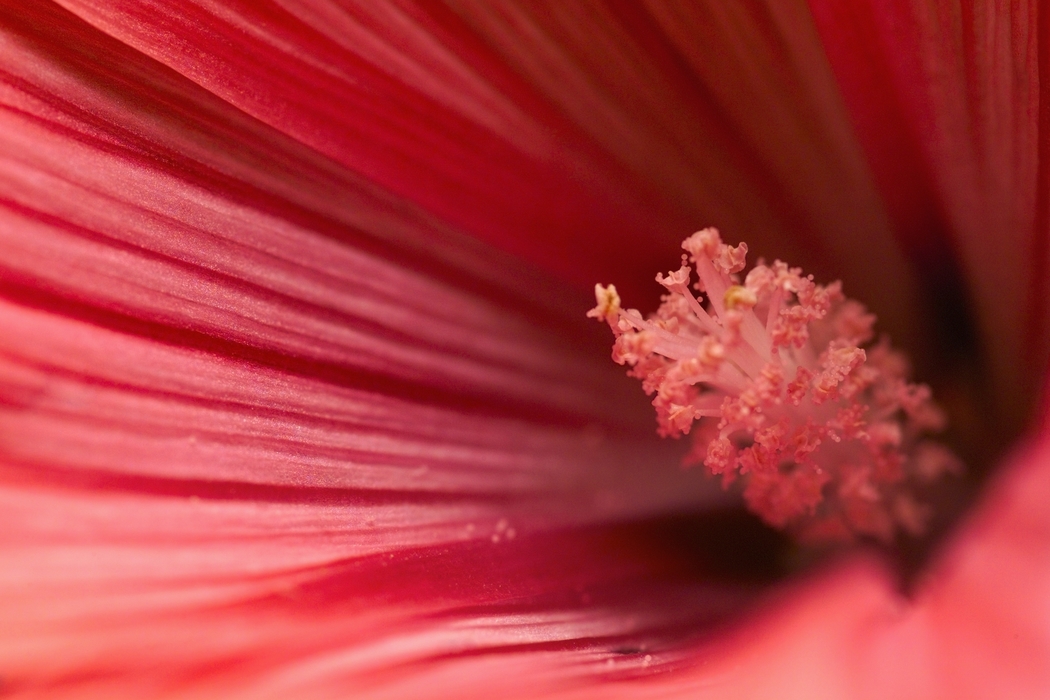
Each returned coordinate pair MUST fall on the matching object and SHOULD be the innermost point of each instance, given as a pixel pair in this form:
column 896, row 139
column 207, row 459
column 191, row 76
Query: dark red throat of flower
column 789, row 395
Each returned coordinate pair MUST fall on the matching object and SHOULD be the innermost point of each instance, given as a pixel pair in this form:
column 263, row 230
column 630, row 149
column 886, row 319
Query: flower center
column 828, row 437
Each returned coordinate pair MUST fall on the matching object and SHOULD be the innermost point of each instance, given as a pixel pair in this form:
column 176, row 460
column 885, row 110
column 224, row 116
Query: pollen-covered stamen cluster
column 827, row 437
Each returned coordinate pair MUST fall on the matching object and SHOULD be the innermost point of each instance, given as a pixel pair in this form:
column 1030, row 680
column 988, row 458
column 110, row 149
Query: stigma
column 785, row 393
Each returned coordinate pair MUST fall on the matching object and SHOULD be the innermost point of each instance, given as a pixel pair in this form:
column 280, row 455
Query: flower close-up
column 299, row 397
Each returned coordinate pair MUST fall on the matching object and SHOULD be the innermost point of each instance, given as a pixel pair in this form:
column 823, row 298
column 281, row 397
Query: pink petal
column 977, row 625
column 950, row 104
column 229, row 366
column 272, row 425
column 584, row 137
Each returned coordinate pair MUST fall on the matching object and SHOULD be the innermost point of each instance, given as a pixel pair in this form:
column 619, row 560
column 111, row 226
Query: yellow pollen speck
column 608, row 307
column 737, row 297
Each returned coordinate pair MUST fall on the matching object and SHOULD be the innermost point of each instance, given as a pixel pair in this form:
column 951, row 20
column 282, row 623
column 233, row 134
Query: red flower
column 297, row 398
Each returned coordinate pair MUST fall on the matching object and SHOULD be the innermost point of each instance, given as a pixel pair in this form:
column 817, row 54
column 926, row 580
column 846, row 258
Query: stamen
column 828, row 439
